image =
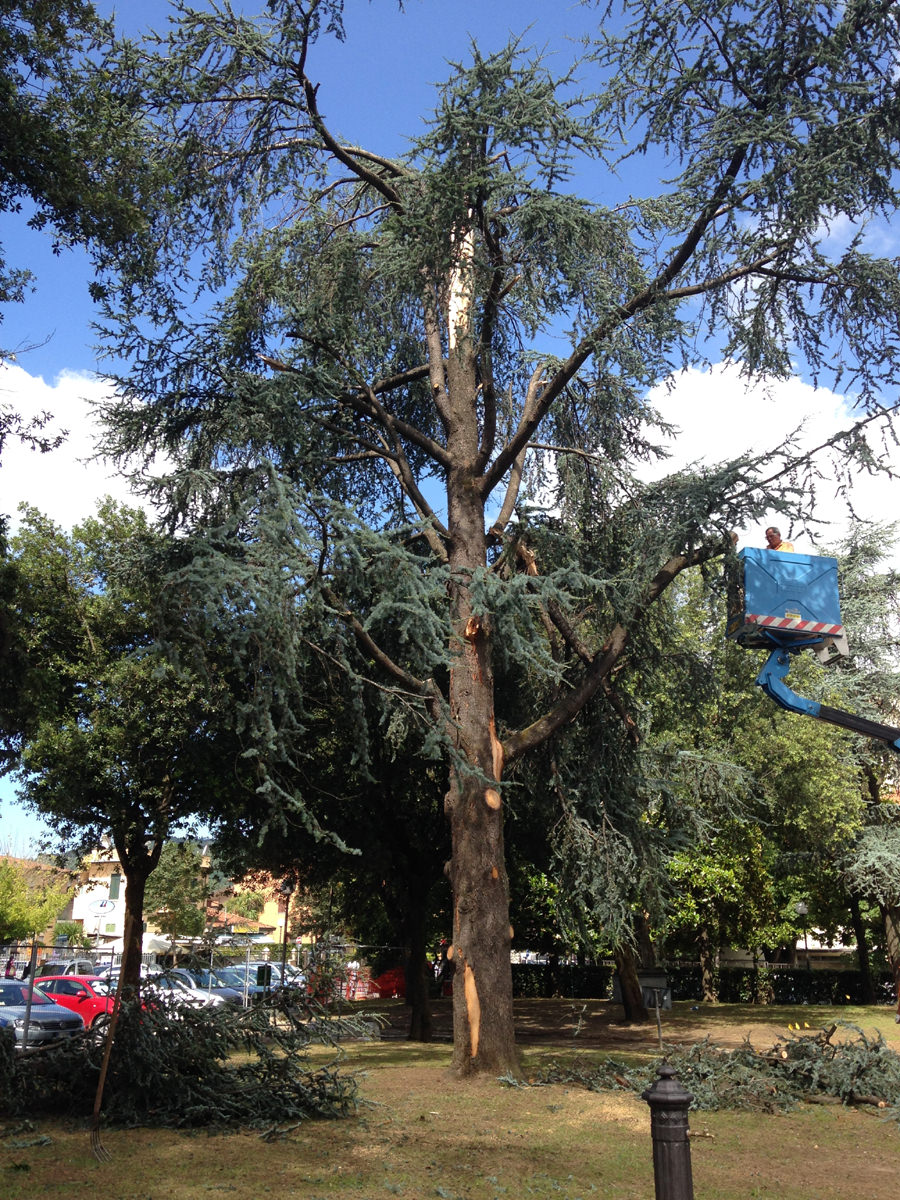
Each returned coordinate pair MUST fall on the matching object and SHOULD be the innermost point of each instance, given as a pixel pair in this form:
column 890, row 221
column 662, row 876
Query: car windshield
column 99, row 987
column 17, row 994
column 241, row 972
column 229, row 976
column 168, row 983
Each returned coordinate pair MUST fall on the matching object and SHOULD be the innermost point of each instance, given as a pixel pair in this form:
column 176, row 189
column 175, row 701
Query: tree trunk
column 891, row 918
column 646, row 950
column 632, row 996
column 483, row 1029
column 866, row 983
column 135, row 885
column 418, row 974
column 138, row 855
column 707, row 966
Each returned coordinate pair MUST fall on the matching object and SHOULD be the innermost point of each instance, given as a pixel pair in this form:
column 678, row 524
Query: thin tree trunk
column 135, row 885
column 867, row 984
column 418, row 975
column 707, row 967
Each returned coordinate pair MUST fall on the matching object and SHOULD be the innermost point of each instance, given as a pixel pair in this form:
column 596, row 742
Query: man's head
column 773, row 537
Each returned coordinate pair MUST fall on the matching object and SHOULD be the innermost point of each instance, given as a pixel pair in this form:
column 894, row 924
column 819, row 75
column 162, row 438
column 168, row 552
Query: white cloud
column 720, row 416
column 63, row 483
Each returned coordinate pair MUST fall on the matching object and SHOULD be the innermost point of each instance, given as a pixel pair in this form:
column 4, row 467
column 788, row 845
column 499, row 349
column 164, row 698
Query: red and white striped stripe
column 793, row 623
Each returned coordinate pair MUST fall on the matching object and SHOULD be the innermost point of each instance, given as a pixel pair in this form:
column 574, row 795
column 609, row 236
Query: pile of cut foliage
column 810, row 1067
column 212, row 1067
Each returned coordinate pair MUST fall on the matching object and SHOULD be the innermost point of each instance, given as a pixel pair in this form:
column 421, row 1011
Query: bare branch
column 351, row 161
column 435, row 353
column 810, row 454
column 518, row 467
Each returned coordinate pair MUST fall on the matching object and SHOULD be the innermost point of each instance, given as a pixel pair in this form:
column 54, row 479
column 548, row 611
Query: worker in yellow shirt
column 773, row 537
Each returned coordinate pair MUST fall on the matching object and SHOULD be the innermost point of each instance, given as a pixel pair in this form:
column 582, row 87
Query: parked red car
column 87, row 995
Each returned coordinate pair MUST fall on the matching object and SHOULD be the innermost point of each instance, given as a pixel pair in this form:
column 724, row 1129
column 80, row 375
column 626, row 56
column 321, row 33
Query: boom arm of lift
column 771, row 680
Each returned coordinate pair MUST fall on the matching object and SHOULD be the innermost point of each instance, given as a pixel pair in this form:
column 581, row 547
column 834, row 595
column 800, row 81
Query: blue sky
column 376, row 88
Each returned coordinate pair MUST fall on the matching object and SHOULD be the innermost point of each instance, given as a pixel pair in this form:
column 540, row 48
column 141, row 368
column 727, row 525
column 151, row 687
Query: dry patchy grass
column 421, row 1135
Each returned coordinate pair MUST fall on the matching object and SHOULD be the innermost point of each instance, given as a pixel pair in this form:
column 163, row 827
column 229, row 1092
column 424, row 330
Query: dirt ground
column 599, row 1025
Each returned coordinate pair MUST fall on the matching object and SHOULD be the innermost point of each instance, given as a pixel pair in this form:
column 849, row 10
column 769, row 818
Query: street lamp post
column 286, row 887
column 802, row 910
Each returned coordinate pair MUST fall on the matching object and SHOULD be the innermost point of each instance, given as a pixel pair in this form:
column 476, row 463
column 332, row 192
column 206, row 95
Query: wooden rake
column 99, row 1150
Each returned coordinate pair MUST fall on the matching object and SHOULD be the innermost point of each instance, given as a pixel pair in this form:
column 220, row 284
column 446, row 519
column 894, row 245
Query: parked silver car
column 49, row 1022
column 68, row 966
column 169, row 986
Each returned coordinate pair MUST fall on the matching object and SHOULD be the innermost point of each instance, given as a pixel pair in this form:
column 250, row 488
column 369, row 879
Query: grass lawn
column 420, row 1134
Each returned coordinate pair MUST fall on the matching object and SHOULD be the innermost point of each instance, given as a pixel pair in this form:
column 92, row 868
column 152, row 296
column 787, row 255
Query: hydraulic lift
column 786, row 603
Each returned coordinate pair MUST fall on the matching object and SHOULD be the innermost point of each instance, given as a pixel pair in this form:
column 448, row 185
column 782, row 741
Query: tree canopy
column 69, row 148
column 124, row 742
column 405, row 397
column 30, row 899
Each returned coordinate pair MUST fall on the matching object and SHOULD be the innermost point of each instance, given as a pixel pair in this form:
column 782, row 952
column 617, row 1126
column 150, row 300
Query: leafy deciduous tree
column 27, row 905
column 126, row 743
column 176, row 891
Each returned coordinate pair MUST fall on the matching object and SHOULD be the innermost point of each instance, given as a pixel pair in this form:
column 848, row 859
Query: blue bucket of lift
column 782, row 599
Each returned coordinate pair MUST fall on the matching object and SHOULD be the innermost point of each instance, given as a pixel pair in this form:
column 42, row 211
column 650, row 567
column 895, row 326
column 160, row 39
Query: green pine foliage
column 404, row 398
column 188, row 1068
column 71, row 154
column 814, row 1067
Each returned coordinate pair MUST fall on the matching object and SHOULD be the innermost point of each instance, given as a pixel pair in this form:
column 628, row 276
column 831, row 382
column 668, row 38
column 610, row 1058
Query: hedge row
column 778, row 985
column 735, row 985
column 543, row 980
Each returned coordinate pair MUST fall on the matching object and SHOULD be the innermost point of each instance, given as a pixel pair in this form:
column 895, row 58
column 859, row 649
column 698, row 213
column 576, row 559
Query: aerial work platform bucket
column 788, row 600
column 784, row 603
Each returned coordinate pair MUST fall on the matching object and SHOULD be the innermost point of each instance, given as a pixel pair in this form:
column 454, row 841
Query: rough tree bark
column 632, row 996
column 483, row 1035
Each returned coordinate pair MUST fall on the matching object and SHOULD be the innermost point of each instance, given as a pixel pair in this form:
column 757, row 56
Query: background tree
column 29, row 901
column 363, row 412
column 126, row 743
column 246, row 904
column 73, row 933
column 386, row 810
column 804, row 781
column 176, row 892
column 69, row 147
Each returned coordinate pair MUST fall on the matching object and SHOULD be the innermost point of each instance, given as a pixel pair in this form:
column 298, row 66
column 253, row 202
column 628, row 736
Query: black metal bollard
column 669, row 1104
